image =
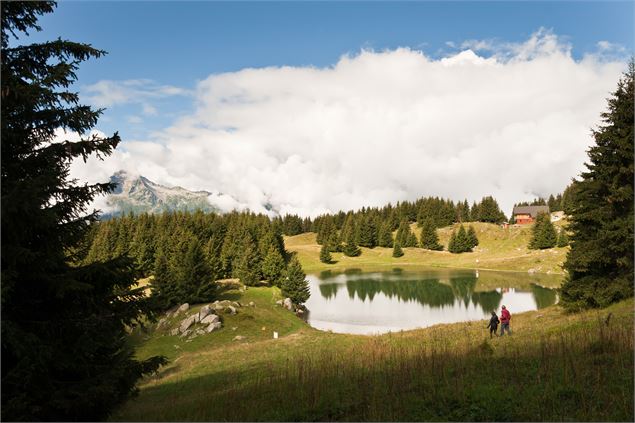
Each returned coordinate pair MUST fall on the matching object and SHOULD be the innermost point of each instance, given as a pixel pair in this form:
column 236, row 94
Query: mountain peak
column 138, row 194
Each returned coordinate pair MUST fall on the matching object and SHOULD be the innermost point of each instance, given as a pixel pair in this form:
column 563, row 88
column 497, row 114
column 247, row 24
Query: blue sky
column 180, row 43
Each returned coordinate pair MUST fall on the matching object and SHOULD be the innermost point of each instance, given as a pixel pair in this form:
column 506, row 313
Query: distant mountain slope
column 137, row 194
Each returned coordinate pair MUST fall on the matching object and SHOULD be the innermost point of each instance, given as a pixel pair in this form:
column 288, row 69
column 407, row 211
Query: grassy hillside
column 554, row 367
column 498, row 249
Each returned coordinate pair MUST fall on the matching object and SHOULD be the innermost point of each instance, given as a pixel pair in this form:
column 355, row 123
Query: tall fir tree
column 295, row 286
column 429, row 237
column 248, row 265
column 544, row 234
column 397, row 251
column 563, row 239
column 325, row 255
column 385, row 235
column 64, row 323
column 459, row 241
column 273, row 266
column 350, row 248
column 472, row 239
column 600, row 262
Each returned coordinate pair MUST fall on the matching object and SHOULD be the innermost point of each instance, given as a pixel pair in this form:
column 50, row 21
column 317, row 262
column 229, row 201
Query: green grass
column 498, row 249
column 556, row 366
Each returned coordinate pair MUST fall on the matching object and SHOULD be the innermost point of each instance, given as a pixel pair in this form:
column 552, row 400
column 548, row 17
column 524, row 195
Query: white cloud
column 379, row 127
column 107, row 93
column 135, row 119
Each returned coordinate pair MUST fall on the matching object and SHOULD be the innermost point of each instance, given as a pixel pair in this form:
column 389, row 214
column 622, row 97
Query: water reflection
column 358, row 302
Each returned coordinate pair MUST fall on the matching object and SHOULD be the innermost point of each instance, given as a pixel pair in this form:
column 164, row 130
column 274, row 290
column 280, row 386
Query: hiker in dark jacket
column 493, row 324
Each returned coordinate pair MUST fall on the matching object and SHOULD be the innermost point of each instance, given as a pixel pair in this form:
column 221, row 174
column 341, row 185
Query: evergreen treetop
column 600, row 261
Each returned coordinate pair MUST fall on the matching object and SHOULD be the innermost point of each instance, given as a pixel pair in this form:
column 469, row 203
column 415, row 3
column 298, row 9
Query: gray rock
column 280, row 302
column 186, row 333
column 185, row 324
column 236, row 304
column 288, row 304
column 174, row 332
column 230, row 310
column 238, row 338
column 213, row 326
column 183, row 307
column 210, row 318
column 252, row 304
column 205, row 311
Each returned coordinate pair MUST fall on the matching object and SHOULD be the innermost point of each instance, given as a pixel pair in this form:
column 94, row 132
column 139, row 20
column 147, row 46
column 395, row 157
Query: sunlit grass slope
column 499, row 249
column 554, row 367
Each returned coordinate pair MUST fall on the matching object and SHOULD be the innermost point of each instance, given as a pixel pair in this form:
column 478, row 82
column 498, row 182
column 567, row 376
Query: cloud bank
column 381, row 127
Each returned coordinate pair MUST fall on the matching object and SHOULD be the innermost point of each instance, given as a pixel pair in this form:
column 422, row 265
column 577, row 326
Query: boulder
column 185, row 324
column 174, row 332
column 205, row 311
column 230, row 310
column 280, row 303
column 213, row 326
column 238, row 338
column 210, row 318
column 184, row 307
column 288, row 304
column 236, row 304
column 252, row 304
column 186, row 333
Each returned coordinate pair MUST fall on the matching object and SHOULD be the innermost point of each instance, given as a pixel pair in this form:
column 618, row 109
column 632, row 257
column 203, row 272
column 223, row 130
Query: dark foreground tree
column 600, row 262
column 295, row 286
column 64, row 351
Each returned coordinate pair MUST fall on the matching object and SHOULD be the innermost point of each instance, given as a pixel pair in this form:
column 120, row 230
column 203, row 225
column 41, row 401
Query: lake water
column 378, row 302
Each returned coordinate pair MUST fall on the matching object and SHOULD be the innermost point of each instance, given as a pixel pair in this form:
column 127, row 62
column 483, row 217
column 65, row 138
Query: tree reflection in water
column 426, row 290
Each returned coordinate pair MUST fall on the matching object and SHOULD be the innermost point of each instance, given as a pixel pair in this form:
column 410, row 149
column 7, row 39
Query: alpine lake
column 367, row 303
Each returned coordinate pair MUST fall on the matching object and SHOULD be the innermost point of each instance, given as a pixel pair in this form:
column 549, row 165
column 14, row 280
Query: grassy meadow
column 499, row 249
column 556, row 366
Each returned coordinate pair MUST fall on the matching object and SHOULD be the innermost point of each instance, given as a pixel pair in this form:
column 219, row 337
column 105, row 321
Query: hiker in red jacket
column 505, row 318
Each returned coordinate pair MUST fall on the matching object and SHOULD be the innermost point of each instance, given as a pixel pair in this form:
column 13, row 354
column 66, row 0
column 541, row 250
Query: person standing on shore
column 493, row 324
column 505, row 318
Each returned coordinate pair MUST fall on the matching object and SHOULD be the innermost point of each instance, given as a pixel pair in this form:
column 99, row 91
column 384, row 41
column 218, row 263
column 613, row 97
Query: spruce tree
column 295, row 286
column 462, row 240
column 472, row 239
column 397, row 251
column 198, row 285
column 544, row 234
column 333, row 243
column 325, row 255
column 385, row 235
column 452, row 246
column 248, row 265
column 273, row 266
column 600, row 262
column 350, row 248
column 64, row 324
column 563, row 239
column 429, row 237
